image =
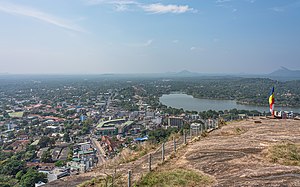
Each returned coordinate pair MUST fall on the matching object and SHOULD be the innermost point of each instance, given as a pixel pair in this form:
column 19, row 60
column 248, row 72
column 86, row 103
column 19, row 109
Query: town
column 52, row 128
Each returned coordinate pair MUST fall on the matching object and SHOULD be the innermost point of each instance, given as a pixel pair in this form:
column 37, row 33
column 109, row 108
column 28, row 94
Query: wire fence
column 130, row 174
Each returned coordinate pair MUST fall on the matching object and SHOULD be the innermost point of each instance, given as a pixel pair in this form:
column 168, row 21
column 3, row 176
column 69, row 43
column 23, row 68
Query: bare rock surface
column 235, row 155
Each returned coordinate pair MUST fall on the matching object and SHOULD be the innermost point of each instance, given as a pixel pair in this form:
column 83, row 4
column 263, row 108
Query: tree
column 4, row 155
column 160, row 135
column 7, row 181
column 59, row 163
column 29, row 155
column 46, row 157
column 66, row 137
column 11, row 135
column 31, row 148
column 12, row 166
column 52, row 142
column 44, row 141
column 19, row 174
column 32, row 177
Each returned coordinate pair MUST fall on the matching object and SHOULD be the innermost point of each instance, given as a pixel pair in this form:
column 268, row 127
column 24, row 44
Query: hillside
column 285, row 74
column 238, row 154
column 241, row 153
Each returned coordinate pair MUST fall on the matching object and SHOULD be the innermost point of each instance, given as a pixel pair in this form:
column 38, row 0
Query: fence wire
column 139, row 168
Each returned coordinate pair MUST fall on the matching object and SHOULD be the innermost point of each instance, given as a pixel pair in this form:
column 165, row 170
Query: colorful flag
column 271, row 101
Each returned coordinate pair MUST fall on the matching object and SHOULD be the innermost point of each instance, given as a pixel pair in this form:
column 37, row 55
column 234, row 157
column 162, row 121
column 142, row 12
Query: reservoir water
column 188, row 102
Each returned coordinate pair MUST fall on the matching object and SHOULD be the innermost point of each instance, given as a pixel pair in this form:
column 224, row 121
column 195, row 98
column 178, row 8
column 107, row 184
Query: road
column 100, row 151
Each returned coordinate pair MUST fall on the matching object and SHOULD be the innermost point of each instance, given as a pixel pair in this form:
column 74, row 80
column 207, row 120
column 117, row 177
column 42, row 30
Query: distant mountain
column 186, row 73
column 285, row 74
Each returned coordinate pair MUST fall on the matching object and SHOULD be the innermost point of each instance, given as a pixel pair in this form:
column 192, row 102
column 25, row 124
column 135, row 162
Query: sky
column 153, row 36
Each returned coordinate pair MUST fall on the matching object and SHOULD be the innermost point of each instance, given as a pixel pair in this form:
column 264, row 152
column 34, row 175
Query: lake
column 188, row 102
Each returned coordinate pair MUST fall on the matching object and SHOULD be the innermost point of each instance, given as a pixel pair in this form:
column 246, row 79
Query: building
column 175, row 122
column 58, row 173
column 9, row 126
column 195, row 116
column 40, row 183
column 114, row 127
column 157, row 120
column 84, row 146
column 82, row 161
column 196, row 126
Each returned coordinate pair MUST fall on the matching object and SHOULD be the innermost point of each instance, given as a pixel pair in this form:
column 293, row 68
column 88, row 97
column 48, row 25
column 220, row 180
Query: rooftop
column 112, row 123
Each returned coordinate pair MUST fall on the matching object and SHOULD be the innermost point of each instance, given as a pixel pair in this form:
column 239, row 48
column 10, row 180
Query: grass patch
column 285, row 154
column 176, row 177
column 239, row 131
column 222, row 123
column 233, row 131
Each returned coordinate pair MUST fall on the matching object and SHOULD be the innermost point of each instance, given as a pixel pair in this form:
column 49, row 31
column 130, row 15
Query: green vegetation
column 11, row 166
column 31, row 177
column 46, row 157
column 285, row 153
column 176, row 177
column 4, row 155
column 44, row 141
column 7, row 181
column 160, row 135
column 60, row 163
column 13, row 171
column 66, row 137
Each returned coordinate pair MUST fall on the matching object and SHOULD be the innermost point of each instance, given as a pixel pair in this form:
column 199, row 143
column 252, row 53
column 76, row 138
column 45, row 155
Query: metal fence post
column 174, row 143
column 106, row 180
column 113, row 177
column 150, row 162
column 184, row 137
column 129, row 178
column 163, row 152
column 201, row 129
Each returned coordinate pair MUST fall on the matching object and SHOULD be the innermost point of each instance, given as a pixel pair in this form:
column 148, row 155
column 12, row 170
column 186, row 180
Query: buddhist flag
column 271, row 101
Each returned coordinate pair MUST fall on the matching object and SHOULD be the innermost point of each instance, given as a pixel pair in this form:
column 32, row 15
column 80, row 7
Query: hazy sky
column 138, row 36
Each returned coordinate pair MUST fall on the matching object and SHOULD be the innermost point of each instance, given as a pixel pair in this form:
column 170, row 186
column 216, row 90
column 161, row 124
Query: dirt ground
column 235, row 154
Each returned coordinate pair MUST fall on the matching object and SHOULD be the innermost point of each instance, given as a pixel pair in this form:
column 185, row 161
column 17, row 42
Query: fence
column 135, row 171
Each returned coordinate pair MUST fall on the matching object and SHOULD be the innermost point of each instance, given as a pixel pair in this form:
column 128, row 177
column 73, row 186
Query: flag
column 271, row 101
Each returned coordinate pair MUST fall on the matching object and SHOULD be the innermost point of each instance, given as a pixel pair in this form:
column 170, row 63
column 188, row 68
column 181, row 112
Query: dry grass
column 128, row 155
column 233, row 131
column 97, row 182
column 175, row 177
column 174, row 135
column 285, row 154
